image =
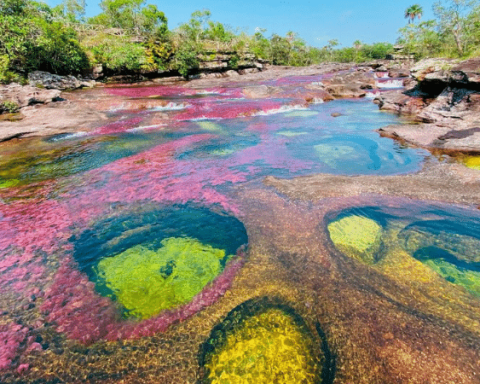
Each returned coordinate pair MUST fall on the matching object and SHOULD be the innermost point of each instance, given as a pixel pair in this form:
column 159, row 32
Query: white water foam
column 389, row 84
column 372, row 95
column 282, row 109
column 171, row 107
column 145, row 128
column 383, row 75
column 69, row 136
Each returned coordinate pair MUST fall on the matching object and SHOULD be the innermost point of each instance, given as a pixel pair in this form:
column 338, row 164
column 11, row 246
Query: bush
column 9, row 106
column 57, row 50
column 6, row 76
column 186, row 59
column 118, row 54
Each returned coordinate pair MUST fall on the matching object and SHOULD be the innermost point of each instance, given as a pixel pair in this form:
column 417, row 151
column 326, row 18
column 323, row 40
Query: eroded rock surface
column 446, row 99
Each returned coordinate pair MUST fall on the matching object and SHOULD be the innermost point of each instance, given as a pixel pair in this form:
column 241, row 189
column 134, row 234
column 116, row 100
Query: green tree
column 194, row 29
column 73, row 10
column 133, row 16
column 453, row 20
column 413, row 11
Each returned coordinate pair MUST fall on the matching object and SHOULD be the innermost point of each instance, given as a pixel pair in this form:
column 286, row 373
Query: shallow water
column 147, row 251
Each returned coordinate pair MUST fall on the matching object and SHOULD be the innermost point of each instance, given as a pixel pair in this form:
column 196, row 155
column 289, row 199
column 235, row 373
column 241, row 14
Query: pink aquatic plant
column 11, row 337
column 78, row 311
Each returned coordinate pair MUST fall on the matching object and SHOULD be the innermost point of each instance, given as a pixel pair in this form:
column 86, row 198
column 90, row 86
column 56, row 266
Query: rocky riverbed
column 329, row 253
column 53, row 104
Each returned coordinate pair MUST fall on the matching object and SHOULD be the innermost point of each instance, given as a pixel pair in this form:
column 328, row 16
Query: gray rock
column 48, row 80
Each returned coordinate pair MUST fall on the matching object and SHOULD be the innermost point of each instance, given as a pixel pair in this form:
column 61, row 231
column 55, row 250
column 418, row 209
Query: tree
column 74, row 10
column 357, row 44
column 193, row 30
column 453, row 17
column 412, row 12
column 132, row 15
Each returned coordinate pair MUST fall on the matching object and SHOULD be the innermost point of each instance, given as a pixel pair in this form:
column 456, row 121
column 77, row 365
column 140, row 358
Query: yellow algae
column 472, row 162
column 268, row 347
column 356, row 236
column 146, row 282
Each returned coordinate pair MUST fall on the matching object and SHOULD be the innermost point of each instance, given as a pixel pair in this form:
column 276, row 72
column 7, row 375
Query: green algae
column 8, row 183
column 357, row 237
column 332, row 155
column 210, row 126
column 301, row 114
column 291, row 133
column 470, row 280
column 146, row 282
column 261, row 345
column 39, row 160
column 463, row 248
column 223, row 152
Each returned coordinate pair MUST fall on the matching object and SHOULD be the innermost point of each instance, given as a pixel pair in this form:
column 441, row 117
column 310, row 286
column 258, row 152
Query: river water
column 151, row 249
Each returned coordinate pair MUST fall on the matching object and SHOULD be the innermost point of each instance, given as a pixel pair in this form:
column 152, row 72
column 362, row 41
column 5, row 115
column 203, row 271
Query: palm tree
column 413, row 11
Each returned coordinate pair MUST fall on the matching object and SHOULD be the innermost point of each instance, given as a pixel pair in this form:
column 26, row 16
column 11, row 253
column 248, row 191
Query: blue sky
column 315, row 21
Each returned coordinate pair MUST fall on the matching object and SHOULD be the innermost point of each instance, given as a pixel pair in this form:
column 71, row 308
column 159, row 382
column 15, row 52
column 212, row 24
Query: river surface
column 150, row 250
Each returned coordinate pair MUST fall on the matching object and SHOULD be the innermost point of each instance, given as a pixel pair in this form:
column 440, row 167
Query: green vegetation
column 455, row 31
column 412, row 12
column 131, row 36
column 9, row 106
column 146, row 282
column 357, row 237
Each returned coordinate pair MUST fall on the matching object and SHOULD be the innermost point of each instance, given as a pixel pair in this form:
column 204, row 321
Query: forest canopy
column 133, row 36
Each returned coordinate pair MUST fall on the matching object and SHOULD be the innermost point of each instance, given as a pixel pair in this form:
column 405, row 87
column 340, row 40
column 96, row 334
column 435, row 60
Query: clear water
column 150, row 250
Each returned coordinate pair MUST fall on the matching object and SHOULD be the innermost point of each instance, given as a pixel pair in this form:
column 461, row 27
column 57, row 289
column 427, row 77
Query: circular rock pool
column 445, row 239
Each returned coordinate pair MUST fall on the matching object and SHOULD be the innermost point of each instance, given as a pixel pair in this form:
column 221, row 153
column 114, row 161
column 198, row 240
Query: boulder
column 349, row 91
column 260, row 91
column 400, row 103
column 467, row 71
column 231, row 73
column 433, row 69
column 397, row 73
column 246, row 71
column 48, row 80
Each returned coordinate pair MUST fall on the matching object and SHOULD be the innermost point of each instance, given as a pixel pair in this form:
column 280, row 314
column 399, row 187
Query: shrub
column 9, row 106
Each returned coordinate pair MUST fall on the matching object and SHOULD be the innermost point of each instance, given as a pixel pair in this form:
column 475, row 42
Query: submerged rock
column 357, row 237
column 261, row 342
column 459, row 240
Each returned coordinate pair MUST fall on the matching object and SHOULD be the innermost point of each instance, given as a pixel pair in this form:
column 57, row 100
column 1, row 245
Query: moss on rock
column 146, row 282
column 357, row 237
column 472, row 162
column 262, row 345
